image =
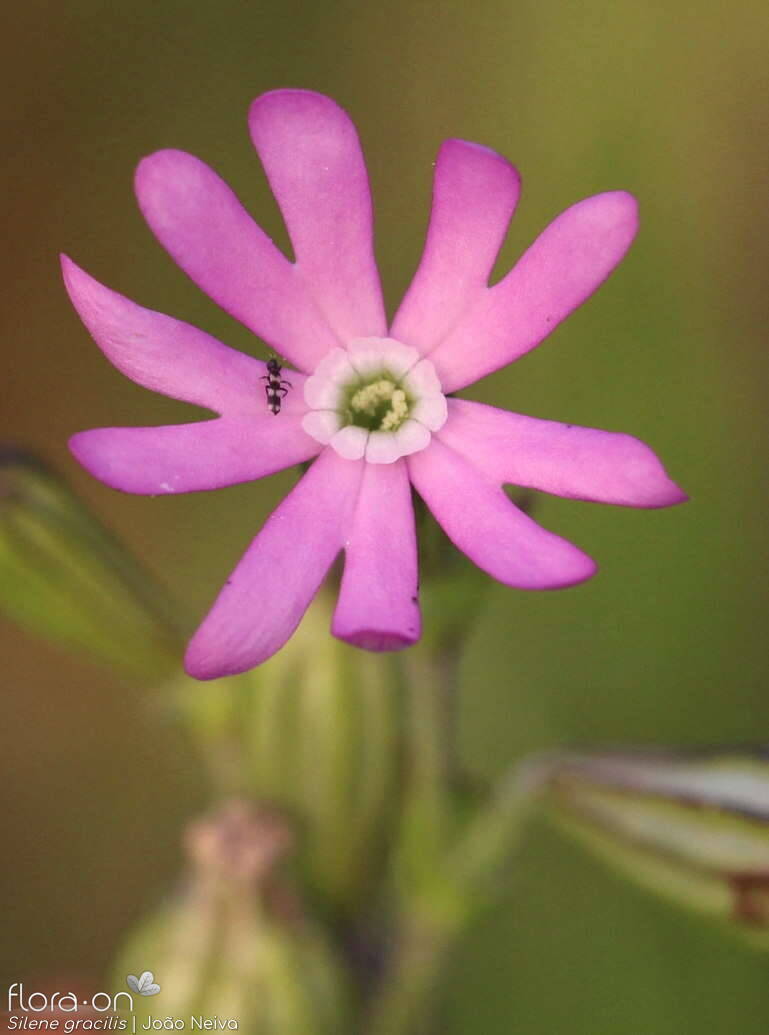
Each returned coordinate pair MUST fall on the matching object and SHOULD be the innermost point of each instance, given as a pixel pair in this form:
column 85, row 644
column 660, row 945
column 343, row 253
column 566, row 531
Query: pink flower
column 372, row 403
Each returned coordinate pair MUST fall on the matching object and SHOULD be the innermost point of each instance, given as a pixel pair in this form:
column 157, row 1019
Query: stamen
column 397, row 413
column 381, row 405
column 370, row 397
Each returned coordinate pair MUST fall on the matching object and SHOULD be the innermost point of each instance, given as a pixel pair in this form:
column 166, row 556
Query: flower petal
column 335, row 366
column 200, row 222
column 582, row 463
column 168, row 355
column 422, row 379
column 563, row 267
column 322, row 424
column 412, row 436
column 312, row 157
column 270, row 589
column 431, row 411
column 368, row 355
column 474, row 197
column 192, row 457
column 377, row 607
column 321, row 394
column 350, row 442
column 481, row 521
column 382, row 447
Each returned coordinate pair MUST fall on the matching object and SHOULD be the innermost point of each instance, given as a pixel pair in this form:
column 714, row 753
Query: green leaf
column 63, row 575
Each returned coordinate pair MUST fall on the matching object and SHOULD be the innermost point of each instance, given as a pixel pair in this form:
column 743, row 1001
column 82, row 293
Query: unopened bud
column 235, row 947
column 241, row 845
column 323, row 743
column 691, row 826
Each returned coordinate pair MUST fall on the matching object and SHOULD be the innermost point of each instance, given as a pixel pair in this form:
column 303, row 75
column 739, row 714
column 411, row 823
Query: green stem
column 426, row 801
column 438, row 910
column 426, row 693
column 428, row 915
column 492, row 834
column 404, row 1003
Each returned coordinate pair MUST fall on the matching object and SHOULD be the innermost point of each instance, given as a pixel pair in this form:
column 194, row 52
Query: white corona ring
column 376, row 399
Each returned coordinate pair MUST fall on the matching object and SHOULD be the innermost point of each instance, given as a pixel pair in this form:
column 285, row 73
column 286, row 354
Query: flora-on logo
column 62, row 1002
column 144, row 985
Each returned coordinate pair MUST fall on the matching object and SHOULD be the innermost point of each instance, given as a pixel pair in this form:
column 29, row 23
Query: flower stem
column 404, row 1004
column 428, row 690
column 427, row 913
column 435, row 913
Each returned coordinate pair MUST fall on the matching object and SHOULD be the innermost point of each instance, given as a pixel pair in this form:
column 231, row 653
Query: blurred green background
column 666, row 645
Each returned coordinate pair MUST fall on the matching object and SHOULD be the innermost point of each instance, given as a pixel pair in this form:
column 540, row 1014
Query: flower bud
column 235, row 945
column 63, row 576
column 323, row 743
column 693, row 826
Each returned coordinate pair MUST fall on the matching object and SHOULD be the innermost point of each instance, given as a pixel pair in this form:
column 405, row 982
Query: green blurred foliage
column 666, row 645
column 66, row 579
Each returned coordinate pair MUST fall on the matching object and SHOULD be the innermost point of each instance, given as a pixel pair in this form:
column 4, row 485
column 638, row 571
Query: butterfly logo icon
column 144, row 985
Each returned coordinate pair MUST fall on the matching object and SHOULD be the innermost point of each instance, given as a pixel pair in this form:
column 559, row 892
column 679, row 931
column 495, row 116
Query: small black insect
column 276, row 388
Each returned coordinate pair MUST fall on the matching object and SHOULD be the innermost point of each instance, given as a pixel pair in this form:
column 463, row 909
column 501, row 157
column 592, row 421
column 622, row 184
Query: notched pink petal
column 270, row 589
column 204, row 227
column 580, row 463
column 563, row 267
column 482, row 522
column 164, row 354
column 474, row 197
column 378, row 604
column 313, row 160
column 193, row 457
